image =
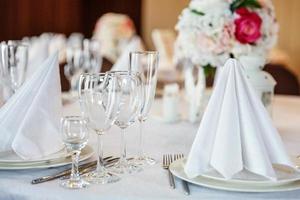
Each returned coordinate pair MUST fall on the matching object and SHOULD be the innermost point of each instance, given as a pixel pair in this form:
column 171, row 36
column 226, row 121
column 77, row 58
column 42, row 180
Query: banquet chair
column 287, row 82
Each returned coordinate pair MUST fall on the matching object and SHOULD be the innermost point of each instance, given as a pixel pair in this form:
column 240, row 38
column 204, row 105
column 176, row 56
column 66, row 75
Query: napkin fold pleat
column 227, row 127
column 236, row 131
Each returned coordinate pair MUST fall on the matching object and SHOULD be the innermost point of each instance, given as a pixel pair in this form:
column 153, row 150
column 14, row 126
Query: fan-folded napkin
column 236, row 131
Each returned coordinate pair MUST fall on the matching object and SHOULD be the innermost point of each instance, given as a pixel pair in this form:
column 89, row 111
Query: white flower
column 206, row 33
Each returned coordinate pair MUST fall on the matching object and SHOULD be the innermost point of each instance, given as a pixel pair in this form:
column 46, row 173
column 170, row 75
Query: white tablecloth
column 152, row 182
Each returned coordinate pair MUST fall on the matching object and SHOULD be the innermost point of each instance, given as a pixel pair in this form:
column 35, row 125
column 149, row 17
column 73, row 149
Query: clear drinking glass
column 83, row 58
column 130, row 104
column 13, row 66
column 99, row 102
column 146, row 63
column 75, row 136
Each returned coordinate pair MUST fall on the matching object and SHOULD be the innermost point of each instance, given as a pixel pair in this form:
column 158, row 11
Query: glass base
column 126, row 168
column 101, row 178
column 144, row 160
column 74, row 184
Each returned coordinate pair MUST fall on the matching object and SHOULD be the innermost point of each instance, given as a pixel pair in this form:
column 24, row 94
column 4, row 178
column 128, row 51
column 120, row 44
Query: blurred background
column 20, row 18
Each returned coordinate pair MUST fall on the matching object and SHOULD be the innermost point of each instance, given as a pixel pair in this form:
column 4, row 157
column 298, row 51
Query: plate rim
column 43, row 159
column 177, row 165
column 243, row 181
column 42, row 165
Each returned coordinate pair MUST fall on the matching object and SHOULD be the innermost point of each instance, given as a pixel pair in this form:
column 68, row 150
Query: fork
column 167, row 160
column 184, row 183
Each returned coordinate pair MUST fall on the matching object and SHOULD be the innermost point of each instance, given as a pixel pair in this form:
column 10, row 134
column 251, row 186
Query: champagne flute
column 75, row 136
column 130, row 104
column 99, row 102
column 146, row 63
column 13, row 66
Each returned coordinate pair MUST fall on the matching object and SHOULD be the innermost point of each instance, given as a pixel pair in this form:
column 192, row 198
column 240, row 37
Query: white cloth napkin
column 236, row 131
column 30, row 119
column 122, row 63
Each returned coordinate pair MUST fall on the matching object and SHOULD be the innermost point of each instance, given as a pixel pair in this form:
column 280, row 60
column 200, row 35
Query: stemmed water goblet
column 146, row 63
column 130, row 104
column 99, row 102
column 75, row 136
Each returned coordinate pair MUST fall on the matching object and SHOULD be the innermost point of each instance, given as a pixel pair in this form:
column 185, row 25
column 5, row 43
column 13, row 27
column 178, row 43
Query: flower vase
column 262, row 81
column 195, row 84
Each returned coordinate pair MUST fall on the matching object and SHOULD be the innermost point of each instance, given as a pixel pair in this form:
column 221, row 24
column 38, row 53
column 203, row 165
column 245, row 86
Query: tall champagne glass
column 130, row 104
column 146, row 63
column 13, row 65
column 98, row 96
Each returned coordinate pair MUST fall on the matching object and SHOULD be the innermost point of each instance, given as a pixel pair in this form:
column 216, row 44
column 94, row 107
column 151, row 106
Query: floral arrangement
column 113, row 31
column 211, row 31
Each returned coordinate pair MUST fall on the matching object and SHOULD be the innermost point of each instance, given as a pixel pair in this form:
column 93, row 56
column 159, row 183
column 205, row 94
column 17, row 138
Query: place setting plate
column 10, row 161
column 288, row 180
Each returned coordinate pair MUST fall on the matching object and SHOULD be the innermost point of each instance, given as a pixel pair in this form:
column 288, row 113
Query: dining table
column 151, row 183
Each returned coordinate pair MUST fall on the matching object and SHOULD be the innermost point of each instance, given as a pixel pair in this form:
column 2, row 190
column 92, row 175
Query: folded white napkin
column 122, row 63
column 30, row 119
column 236, row 131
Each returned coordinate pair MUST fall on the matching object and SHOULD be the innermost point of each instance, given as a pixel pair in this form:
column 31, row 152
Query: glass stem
column 73, row 83
column 123, row 158
column 100, row 161
column 75, row 160
column 141, row 142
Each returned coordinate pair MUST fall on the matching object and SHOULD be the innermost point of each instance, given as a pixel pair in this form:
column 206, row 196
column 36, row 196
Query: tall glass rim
column 73, row 118
column 124, row 72
column 94, row 74
column 144, row 52
column 86, row 75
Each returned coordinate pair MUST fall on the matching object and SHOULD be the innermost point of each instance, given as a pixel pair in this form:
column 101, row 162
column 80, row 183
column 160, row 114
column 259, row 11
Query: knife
column 66, row 172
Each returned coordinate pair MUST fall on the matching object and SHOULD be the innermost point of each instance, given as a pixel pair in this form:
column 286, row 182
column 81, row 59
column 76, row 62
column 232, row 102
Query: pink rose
column 247, row 26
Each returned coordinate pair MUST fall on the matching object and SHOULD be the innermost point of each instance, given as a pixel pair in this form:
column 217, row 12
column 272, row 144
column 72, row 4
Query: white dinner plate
column 86, row 153
column 239, row 186
column 12, row 158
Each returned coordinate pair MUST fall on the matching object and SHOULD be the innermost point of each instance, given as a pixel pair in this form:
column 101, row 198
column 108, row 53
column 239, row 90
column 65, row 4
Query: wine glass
column 91, row 53
column 75, row 136
column 99, row 102
column 13, row 66
column 83, row 58
column 130, row 104
column 72, row 68
column 146, row 63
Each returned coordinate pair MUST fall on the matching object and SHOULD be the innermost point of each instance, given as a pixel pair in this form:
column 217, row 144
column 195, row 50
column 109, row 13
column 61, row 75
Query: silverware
column 65, row 172
column 107, row 163
column 185, row 185
column 167, row 160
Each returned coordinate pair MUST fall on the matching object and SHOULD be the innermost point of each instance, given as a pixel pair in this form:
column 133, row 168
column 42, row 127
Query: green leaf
column 244, row 3
column 197, row 12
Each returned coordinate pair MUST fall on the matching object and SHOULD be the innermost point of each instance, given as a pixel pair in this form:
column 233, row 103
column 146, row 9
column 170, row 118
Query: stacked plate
column 245, row 181
column 10, row 161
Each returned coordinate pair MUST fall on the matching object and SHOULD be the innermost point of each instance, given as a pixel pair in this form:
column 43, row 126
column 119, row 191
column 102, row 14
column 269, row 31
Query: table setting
column 116, row 135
